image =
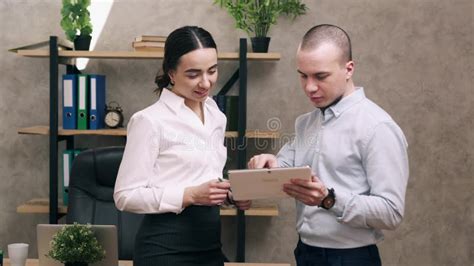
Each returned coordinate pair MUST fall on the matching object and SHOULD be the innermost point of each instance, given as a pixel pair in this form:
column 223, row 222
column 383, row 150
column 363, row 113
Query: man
column 357, row 154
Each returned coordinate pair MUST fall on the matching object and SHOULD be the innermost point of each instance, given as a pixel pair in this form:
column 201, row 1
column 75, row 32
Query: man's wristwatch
column 329, row 200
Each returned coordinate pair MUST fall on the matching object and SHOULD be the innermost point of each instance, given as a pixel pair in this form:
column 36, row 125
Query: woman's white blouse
column 168, row 149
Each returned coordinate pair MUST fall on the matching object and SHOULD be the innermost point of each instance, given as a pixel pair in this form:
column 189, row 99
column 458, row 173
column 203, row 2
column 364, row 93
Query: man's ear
column 349, row 69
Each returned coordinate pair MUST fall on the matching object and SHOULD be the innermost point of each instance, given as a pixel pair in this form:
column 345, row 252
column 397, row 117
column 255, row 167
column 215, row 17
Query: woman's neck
column 196, row 107
column 193, row 105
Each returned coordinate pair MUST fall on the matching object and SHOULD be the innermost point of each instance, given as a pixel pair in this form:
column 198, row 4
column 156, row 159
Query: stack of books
column 149, row 43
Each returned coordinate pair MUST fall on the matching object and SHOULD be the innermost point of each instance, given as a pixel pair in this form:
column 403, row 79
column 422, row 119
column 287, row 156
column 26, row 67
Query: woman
column 174, row 158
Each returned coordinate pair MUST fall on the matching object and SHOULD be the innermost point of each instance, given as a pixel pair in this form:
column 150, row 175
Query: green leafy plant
column 256, row 16
column 76, row 243
column 76, row 18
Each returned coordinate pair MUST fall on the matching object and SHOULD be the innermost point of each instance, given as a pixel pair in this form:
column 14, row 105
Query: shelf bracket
column 228, row 85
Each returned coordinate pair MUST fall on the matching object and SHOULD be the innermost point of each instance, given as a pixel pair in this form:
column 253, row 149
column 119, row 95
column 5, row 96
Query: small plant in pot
column 76, row 245
column 76, row 23
column 256, row 16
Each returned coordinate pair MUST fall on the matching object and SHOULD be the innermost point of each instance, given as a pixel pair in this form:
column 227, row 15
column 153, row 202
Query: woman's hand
column 209, row 193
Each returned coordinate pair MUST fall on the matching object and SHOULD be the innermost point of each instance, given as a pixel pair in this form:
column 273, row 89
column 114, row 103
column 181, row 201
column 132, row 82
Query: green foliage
column 76, row 18
column 76, row 243
column 256, row 16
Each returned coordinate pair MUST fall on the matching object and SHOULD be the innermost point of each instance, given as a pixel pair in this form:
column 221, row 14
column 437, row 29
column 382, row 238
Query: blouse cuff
column 172, row 200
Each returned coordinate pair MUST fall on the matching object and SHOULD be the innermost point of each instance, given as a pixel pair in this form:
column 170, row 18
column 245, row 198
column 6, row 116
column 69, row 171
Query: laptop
column 106, row 235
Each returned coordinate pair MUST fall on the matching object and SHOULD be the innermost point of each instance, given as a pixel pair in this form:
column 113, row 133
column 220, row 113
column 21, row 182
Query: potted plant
column 76, row 245
column 256, row 16
column 76, row 23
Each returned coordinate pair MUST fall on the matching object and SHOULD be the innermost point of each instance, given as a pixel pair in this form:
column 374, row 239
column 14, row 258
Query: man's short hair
column 325, row 33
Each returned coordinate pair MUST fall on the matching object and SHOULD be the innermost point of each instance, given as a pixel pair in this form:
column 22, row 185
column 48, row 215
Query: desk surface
column 34, row 262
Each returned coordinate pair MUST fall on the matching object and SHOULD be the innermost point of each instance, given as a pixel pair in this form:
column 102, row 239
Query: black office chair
column 91, row 190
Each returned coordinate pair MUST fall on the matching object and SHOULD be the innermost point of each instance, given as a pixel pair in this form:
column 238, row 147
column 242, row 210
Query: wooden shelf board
column 44, row 130
column 39, row 206
column 255, row 134
column 122, row 132
column 139, row 55
column 42, row 206
column 253, row 211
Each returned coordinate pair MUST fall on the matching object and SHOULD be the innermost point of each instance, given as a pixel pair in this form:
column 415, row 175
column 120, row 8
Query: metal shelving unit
column 56, row 134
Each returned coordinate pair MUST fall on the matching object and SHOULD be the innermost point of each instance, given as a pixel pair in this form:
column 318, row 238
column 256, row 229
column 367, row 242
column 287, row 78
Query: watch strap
column 328, row 201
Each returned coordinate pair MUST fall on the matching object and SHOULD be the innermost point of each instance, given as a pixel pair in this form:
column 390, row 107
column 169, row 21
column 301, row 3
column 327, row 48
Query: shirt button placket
column 317, row 147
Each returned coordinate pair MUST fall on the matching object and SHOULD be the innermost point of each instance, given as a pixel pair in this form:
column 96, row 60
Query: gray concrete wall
column 414, row 58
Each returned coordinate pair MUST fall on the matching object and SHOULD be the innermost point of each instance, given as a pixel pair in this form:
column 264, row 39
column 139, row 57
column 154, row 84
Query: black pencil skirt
column 190, row 238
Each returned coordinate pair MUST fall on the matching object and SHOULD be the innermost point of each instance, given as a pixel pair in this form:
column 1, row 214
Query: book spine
column 83, row 102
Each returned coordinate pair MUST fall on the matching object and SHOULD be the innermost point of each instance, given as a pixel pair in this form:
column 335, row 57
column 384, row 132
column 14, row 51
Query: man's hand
column 241, row 204
column 310, row 193
column 263, row 160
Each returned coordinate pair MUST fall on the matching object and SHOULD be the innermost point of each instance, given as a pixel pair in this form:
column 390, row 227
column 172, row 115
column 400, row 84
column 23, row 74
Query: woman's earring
column 172, row 82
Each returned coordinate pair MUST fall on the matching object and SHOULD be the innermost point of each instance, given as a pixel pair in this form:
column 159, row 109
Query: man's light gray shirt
column 356, row 148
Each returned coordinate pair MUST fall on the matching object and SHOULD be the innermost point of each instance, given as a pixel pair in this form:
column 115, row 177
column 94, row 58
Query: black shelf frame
column 241, row 142
column 54, row 62
column 54, row 138
column 53, row 129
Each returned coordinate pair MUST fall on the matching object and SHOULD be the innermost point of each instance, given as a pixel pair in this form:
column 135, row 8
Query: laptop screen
column 106, row 235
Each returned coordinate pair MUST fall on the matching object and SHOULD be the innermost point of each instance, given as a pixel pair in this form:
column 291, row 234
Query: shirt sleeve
column 385, row 161
column 134, row 189
column 286, row 155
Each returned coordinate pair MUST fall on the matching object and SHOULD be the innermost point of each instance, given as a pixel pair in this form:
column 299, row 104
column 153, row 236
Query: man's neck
column 349, row 89
column 331, row 104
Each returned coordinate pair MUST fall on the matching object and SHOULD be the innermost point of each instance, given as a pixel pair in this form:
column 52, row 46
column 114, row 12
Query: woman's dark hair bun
column 180, row 42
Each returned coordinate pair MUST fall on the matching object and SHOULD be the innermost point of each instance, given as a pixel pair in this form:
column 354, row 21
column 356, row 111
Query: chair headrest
column 107, row 163
column 95, row 170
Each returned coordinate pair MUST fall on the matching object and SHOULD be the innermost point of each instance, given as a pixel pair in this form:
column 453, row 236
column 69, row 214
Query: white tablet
column 265, row 183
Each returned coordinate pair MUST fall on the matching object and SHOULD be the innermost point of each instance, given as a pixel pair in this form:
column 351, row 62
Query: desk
column 34, row 262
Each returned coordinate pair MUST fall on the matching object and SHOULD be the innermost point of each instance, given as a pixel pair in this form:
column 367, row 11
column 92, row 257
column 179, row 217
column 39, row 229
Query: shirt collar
column 173, row 101
column 347, row 102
